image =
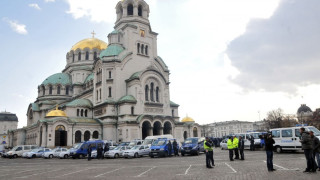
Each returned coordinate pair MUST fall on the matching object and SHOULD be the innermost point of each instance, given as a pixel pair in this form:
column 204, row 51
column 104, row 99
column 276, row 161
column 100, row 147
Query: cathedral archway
column 157, row 128
column 146, row 126
column 185, row 135
column 77, row 137
column 86, row 136
column 95, row 135
column 167, row 129
column 195, row 132
column 60, row 136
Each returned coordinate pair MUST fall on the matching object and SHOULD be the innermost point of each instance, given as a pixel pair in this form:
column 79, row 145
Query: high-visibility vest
column 207, row 147
column 229, row 144
column 235, row 142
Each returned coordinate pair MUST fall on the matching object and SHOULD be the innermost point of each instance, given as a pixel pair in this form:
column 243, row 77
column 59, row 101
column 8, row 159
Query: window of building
column 97, row 95
column 157, row 94
column 79, row 56
column 78, row 112
column 109, row 92
column 109, row 74
column 100, row 93
column 132, row 110
column 81, row 112
column 67, row 90
column 138, row 48
column 146, row 50
column 73, row 57
column 50, row 89
column 86, row 113
column 94, row 55
column 142, row 47
column 87, row 55
column 43, row 91
column 140, row 10
column 146, row 93
column 130, row 10
column 58, row 89
column 151, row 92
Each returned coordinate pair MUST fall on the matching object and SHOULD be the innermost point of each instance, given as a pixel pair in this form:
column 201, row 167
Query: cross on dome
column 93, row 33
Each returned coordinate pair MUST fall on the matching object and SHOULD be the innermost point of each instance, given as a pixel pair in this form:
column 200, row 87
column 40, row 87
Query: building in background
column 220, row 129
column 8, row 122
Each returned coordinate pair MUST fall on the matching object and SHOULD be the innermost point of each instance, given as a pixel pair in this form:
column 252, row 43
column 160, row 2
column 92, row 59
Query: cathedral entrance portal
column 185, row 134
column 146, row 126
column 195, row 132
column 167, row 128
column 60, row 136
column 157, row 128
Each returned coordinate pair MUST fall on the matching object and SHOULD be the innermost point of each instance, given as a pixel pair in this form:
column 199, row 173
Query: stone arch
column 157, row 127
column 130, row 9
column 146, row 129
column 61, row 135
column 95, row 135
column 77, row 136
column 86, row 135
column 167, row 128
column 195, row 132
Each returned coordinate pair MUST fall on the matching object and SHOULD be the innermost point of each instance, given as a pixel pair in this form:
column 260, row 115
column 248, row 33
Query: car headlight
column 181, row 148
column 161, row 149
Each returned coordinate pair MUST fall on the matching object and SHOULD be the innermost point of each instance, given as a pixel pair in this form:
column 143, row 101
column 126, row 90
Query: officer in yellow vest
column 230, row 147
column 235, row 146
column 208, row 147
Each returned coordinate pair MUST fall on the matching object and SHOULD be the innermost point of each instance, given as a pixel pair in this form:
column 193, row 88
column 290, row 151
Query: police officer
column 241, row 147
column 235, row 146
column 89, row 152
column 208, row 147
column 230, row 148
column 175, row 148
column 169, row 148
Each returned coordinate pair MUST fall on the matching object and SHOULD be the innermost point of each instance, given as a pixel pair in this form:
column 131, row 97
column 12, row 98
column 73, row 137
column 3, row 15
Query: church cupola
column 132, row 10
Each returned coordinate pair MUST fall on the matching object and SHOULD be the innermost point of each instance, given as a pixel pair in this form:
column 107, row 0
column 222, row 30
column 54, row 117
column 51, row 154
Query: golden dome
column 90, row 43
column 56, row 113
column 187, row 119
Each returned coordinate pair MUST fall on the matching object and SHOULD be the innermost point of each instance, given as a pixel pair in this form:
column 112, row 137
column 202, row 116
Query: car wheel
column 166, row 154
column 66, row 156
column 81, row 156
column 182, row 154
column 15, row 156
column 34, row 156
column 278, row 149
column 136, row 155
column 50, row 156
column 116, row 156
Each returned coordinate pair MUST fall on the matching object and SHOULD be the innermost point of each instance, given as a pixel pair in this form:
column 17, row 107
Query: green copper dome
column 59, row 78
column 89, row 78
column 80, row 103
column 112, row 50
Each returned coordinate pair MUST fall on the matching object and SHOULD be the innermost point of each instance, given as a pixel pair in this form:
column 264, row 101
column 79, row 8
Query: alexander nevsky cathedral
column 118, row 91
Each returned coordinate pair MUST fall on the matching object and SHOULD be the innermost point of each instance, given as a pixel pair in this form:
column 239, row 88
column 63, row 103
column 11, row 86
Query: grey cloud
column 280, row 53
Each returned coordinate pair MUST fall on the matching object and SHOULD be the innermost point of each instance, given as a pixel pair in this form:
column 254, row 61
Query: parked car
column 192, row 145
column 135, row 142
column 137, row 151
column 37, row 152
column 224, row 145
column 116, row 152
column 54, row 153
column 64, row 154
column 17, row 151
column 80, row 150
column 160, row 148
column 150, row 139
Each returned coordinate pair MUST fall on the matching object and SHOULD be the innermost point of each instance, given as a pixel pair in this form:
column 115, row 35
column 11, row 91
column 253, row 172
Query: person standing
column 169, row 148
column 99, row 151
column 251, row 143
column 269, row 142
column 175, row 148
column 235, row 147
column 241, row 147
column 306, row 144
column 208, row 147
column 316, row 150
column 230, row 148
column 89, row 152
column 106, row 148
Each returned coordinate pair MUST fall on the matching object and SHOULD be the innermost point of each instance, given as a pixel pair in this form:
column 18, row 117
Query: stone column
column 161, row 130
column 150, row 131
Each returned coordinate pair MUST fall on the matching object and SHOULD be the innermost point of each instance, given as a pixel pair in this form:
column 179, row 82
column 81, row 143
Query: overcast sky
column 228, row 59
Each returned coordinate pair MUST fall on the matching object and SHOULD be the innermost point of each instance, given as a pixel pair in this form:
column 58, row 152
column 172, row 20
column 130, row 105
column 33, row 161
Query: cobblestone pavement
column 289, row 166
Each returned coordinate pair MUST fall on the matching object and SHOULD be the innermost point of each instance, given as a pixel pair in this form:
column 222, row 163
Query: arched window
column 146, row 93
column 81, row 112
column 130, row 10
column 95, row 135
column 77, row 137
column 109, row 92
column 78, row 112
column 50, row 89
column 142, row 47
column 100, row 93
column 73, row 57
column 140, row 10
column 146, row 50
column 67, row 90
column 79, row 56
column 94, row 55
column 43, row 91
column 132, row 110
column 109, row 74
column 87, row 55
column 97, row 95
column 86, row 113
column 58, row 89
column 86, row 136
column 138, row 48
column 157, row 94
column 151, row 92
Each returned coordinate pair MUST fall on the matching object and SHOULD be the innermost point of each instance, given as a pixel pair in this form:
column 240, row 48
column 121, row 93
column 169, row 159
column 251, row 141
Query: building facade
column 220, row 129
column 117, row 91
column 8, row 122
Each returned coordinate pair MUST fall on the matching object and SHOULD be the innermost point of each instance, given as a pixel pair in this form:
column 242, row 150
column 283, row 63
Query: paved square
column 288, row 165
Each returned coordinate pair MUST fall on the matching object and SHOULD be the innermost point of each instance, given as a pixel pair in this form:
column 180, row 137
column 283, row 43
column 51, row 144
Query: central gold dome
column 187, row 119
column 56, row 113
column 90, row 43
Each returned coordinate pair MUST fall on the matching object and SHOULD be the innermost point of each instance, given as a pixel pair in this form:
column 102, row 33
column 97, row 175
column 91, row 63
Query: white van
column 17, row 151
column 246, row 139
column 149, row 139
column 289, row 138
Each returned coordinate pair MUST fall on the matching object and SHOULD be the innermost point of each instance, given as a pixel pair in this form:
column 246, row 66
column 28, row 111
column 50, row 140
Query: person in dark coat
column 89, row 152
column 251, row 143
column 99, row 151
column 315, row 150
column 241, row 147
column 169, row 148
column 306, row 144
column 175, row 148
column 106, row 148
column 269, row 142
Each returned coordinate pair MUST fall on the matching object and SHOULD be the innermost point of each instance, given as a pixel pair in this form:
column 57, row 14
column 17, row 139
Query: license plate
column 187, row 150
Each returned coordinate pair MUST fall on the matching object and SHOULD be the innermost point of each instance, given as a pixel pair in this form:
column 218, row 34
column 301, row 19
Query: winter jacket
column 269, row 144
column 315, row 144
column 306, row 141
column 241, row 144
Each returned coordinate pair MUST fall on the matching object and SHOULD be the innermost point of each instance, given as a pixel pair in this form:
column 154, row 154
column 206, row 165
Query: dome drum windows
column 82, row 112
column 142, row 49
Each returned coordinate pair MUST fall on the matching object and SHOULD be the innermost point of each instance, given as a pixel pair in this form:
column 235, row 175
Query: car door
column 287, row 139
column 57, row 152
column 297, row 137
column 146, row 149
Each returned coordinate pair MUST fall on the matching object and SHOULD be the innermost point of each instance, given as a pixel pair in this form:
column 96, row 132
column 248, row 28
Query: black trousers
column 310, row 161
column 176, row 153
column 231, row 154
column 241, row 154
column 209, row 159
column 89, row 156
column 236, row 152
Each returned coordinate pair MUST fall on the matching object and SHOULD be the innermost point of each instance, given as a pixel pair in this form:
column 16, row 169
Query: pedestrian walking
column 316, row 151
column 306, row 144
column 269, row 142
column 89, row 152
column 175, row 148
column 241, row 147
column 169, row 148
column 208, row 147
column 252, row 143
column 230, row 148
column 235, row 147
column 99, row 151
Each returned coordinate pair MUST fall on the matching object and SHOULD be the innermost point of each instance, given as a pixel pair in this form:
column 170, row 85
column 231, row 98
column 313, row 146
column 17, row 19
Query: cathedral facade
column 118, row 91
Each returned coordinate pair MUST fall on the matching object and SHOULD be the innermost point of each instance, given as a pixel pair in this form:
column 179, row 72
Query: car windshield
column 191, row 141
column 255, row 135
column 35, row 150
column 15, row 148
column 147, row 141
column 158, row 142
column 315, row 131
column 136, row 147
column 77, row 146
column 117, row 148
column 132, row 143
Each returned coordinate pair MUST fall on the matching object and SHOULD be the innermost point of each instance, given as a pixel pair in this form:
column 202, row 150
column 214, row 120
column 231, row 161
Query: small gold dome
column 187, row 119
column 90, row 43
column 56, row 113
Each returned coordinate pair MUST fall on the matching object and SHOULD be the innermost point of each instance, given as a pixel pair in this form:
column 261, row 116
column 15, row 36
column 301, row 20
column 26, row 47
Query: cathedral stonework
column 113, row 91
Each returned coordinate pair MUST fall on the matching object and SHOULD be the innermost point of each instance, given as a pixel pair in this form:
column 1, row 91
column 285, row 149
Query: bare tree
column 274, row 118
